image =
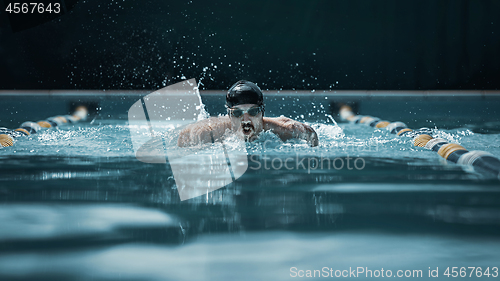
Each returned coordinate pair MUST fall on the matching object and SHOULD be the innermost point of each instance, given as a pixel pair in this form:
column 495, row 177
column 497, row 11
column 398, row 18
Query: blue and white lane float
column 422, row 138
column 27, row 128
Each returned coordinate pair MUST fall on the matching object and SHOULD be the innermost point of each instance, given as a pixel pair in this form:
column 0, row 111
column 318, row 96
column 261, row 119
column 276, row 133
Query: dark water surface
column 75, row 204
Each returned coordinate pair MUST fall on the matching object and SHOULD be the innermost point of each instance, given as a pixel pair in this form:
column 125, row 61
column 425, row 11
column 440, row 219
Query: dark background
column 138, row 44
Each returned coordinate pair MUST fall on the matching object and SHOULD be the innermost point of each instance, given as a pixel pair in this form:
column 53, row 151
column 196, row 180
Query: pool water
column 75, row 204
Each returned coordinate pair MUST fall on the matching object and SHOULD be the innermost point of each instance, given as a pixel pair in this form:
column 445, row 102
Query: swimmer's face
column 246, row 120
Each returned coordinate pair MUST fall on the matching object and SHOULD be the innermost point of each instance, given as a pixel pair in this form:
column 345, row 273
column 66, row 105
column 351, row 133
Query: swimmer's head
column 245, row 106
column 244, row 92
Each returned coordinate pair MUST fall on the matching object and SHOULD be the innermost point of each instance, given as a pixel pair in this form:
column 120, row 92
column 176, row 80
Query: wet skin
column 246, row 127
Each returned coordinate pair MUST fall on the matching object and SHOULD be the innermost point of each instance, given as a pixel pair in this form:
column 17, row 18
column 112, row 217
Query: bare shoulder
column 271, row 123
column 214, row 121
column 282, row 122
column 287, row 128
column 204, row 131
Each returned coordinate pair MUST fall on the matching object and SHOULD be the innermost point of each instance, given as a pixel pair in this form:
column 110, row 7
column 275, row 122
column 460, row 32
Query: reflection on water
column 98, row 216
column 256, row 256
column 52, row 222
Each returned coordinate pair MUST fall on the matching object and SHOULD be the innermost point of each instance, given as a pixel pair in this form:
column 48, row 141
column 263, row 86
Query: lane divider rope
column 27, row 128
column 423, row 138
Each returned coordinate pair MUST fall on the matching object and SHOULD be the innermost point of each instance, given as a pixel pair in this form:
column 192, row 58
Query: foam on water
column 112, row 139
column 79, row 140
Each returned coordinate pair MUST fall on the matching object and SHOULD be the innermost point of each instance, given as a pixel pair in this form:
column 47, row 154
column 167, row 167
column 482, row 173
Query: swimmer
column 245, row 107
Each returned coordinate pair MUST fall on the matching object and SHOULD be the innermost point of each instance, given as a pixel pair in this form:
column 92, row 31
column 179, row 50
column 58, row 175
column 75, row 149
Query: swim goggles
column 236, row 112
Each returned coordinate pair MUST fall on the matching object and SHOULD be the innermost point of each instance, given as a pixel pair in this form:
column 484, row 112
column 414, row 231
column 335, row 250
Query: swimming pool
column 77, row 205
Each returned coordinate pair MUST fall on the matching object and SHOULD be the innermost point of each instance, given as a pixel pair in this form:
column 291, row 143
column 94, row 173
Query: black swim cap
column 244, row 92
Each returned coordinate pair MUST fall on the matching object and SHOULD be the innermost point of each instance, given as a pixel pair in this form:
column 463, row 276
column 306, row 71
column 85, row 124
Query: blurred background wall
column 331, row 44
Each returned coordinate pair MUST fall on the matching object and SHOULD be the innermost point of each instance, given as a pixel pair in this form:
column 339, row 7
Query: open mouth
column 247, row 129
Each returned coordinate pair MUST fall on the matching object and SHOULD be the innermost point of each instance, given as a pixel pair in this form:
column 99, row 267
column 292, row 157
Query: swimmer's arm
column 286, row 129
column 203, row 131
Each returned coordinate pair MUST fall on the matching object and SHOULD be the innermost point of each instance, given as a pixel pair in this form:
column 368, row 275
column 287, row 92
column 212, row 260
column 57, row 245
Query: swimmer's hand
column 287, row 128
column 205, row 131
